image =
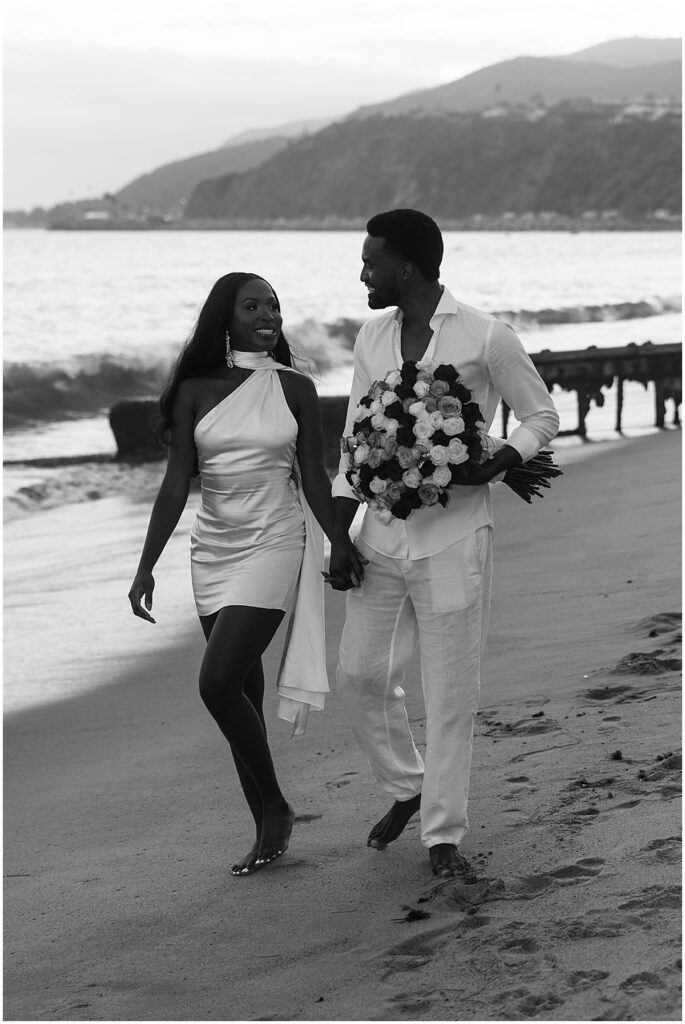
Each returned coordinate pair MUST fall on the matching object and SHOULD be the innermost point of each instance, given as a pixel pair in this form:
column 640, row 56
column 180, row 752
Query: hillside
column 552, row 79
column 455, row 166
column 631, row 53
column 165, row 190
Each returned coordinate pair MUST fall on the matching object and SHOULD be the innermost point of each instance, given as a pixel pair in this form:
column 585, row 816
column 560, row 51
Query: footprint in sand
column 304, row 818
column 534, row 1005
column 655, row 897
column 532, row 726
column 667, row 850
column 344, row 780
column 580, row 980
column 414, row 952
column 662, row 622
column 637, row 983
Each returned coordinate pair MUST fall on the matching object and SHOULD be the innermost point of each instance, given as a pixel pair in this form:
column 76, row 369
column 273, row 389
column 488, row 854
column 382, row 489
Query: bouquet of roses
column 416, row 433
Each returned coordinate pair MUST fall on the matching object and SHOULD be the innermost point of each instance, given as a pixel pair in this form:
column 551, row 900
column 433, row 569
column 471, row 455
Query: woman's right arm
column 170, row 501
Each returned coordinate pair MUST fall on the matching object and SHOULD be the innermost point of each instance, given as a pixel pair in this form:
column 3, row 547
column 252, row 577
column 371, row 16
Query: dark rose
column 445, row 372
column 405, row 390
column 409, row 501
column 366, row 401
column 460, row 392
column 394, row 470
column 426, row 468
column 405, row 436
column 366, row 475
column 363, row 426
column 394, row 411
column 440, row 437
column 409, row 371
column 443, row 498
column 407, row 420
column 471, row 413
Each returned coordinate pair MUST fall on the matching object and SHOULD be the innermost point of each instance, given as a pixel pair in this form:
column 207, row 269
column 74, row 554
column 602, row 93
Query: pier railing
column 587, row 371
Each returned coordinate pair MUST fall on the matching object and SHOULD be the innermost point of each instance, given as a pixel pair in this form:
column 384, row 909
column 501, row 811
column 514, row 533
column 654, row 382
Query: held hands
column 346, row 568
column 142, row 586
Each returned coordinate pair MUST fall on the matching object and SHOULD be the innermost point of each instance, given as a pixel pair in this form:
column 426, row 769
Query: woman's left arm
column 303, row 402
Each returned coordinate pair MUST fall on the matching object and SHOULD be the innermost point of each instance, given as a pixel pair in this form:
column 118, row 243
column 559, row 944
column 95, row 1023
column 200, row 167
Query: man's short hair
column 413, row 236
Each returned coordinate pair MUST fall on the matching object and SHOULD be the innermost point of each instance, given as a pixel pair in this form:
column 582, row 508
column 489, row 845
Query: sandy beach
column 123, row 813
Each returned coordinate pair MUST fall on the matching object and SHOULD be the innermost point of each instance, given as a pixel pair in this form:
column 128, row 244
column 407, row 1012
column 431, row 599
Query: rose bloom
column 393, row 378
column 439, row 388
column 404, row 457
column 388, row 397
column 420, row 389
column 441, row 476
column 436, row 419
column 361, row 413
column 378, row 420
column 407, row 404
column 377, row 485
column 431, row 405
column 449, row 406
column 416, row 409
column 394, row 491
column 428, row 493
column 438, row 455
column 457, row 452
column 374, row 458
column 422, row 445
column 390, row 426
column 412, row 478
column 454, row 425
column 361, row 454
column 376, row 406
column 423, row 429
column 391, row 447
column 426, row 363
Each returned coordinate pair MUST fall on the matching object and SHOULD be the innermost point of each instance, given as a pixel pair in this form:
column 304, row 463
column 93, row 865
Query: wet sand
column 122, row 812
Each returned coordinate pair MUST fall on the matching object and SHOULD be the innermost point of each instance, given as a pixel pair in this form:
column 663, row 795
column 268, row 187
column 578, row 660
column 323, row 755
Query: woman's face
column 256, row 322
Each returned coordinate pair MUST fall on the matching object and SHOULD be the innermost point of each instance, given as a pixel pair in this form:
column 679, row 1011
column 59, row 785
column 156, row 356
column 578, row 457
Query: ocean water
column 93, row 317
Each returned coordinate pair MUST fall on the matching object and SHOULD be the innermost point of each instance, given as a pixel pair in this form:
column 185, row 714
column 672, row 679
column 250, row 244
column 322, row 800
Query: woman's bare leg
column 231, row 685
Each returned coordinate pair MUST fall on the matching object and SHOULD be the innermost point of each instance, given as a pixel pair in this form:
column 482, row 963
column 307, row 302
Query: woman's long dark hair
column 205, row 349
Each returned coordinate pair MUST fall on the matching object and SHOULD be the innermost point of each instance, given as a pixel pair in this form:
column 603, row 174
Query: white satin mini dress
column 248, row 537
column 255, row 540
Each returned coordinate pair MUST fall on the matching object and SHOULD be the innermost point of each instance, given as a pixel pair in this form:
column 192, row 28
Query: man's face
column 381, row 273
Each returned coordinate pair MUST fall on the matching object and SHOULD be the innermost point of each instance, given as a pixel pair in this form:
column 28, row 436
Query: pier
column 587, row 371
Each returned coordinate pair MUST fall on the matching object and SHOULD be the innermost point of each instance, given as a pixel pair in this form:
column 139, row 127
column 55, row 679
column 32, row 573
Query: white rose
column 390, row 426
column 378, row 420
column 360, row 454
column 436, row 419
column 426, row 364
column 454, row 425
column 393, row 378
column 420, row 389
column 441, row 476
column 438, row 455
column 457, row 452
column 376, row 406
column 423, row 429
column 388, row 397
column 378, row 485
column 417, row 409
column 422, row 445
column 412, row 478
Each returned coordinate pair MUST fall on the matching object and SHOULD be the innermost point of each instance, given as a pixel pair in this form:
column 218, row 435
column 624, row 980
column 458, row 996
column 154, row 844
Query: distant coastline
column 480, row 222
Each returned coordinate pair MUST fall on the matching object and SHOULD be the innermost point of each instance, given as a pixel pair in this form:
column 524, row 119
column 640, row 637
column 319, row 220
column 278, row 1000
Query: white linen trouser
column 444, row 602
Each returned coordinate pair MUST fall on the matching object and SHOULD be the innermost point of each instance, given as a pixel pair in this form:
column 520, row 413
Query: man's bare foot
column 277, row 826
column 394, row 822
column 447, row 861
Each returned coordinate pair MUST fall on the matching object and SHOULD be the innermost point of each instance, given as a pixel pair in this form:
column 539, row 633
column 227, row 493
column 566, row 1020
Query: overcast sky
column 98, row 92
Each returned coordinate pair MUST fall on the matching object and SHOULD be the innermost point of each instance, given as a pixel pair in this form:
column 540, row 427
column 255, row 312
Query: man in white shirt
column 427, row 578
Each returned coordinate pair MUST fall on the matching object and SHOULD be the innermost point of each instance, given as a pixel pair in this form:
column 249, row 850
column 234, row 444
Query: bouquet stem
column 527, row 479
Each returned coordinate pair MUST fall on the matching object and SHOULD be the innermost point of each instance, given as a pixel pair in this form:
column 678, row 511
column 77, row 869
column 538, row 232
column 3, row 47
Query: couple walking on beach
column 237, row 411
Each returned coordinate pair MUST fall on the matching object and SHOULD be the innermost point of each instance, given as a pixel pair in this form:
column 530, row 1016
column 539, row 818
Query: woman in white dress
column 236, row 411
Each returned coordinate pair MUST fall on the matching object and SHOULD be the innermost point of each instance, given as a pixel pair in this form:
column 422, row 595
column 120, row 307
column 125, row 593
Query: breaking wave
column 89, row 385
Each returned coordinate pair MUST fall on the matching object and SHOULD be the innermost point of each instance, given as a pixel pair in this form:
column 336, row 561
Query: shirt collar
column 447, row 305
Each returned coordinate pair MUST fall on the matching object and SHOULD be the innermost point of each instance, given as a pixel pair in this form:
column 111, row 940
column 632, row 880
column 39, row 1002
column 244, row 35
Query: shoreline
column 122, row 810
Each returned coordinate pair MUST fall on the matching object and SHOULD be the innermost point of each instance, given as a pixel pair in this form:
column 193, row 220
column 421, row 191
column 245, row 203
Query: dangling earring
column 229, row 354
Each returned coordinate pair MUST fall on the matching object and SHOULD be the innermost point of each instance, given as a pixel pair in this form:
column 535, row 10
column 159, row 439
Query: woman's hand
column 142, row 586
column 346, row 568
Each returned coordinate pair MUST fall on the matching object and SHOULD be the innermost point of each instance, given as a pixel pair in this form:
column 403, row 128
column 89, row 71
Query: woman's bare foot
column 245, row 866
column 394, row 822
column 447, row 861
column 277, row 826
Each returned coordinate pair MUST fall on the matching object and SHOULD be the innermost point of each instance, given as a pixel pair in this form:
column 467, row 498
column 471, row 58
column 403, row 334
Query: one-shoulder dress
column 255, row 540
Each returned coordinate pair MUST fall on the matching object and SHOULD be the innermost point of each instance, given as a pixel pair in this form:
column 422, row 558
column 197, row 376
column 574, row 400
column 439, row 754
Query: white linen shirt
column 493, row 364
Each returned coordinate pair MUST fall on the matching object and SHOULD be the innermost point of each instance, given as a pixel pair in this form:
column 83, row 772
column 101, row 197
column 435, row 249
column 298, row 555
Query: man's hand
column 346, row 568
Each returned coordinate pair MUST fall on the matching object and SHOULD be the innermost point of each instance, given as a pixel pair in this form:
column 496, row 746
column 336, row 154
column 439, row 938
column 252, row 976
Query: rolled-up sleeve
column 361, row 382
column 516, row 379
